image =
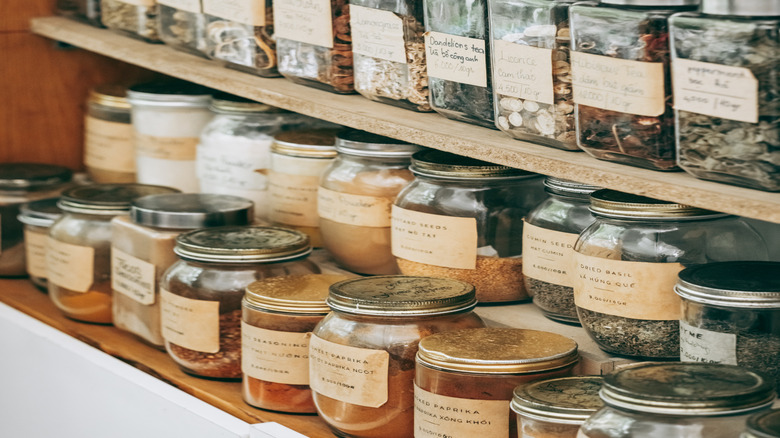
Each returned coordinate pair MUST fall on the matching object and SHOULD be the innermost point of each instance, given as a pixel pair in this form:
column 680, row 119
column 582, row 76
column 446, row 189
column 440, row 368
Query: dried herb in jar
column 182, row 29
column 136, row 20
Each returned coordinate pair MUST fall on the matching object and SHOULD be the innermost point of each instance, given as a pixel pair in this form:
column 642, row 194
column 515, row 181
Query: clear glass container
column 465, row 93
column 471, row 375
column 737, row 140
column 78, row 256
column 627, row 262
column 278, row 316
column 763, row 425
column 109, row 149
column 532, row 82
column 38, row 217
column 142, row 249
column 201, row 293
column 355, row 196
column 549, row 234
column 691, row 400
column 86, row 10
column 182, row 25
column 362, row 353
column 136, row 18
column 463, row 218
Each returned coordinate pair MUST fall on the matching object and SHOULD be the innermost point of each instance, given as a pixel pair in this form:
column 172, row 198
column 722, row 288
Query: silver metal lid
column 242, row 244
column 32, row 176
column 652, row 3
column 732, row 284
column 41, row 213
column 225, row 103
column 440, row 164
column 744, row 8
column 191, row 210
column 169, row 94
column 566, row 187
column 765, row 424
column 107, row 199
column 567, row 400
column 614, row 204
column 366, row 144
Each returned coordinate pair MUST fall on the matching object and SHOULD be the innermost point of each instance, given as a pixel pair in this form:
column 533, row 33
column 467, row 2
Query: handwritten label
column 548, row 255
column 305, row 21
column 166, row 148
column 234, row 165
column 293, row 199
column 358, row 210
column 456, row 58
column 109, row 145
column 632, row 87
column 523, row 71
column 377, row 33
column 189, row 5
column 700, row 345
column 35, row 253
column 274, row 356
column 437, row 416
column 188, row 323
column 434, row 239
column 70, row 266
column 251, row 12
column 132, row 277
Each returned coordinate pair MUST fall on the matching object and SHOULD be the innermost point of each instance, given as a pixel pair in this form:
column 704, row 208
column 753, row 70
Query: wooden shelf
column 425, row 129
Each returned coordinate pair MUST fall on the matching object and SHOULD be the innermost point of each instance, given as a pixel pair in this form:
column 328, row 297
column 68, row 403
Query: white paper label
column 236, row 166
column 274, row 356
column 523, row 71
column 250, row 12
column 132, row 277
column 434, row 239
column 189, row 5
column 437, row 416
column 377, row 33
column 70, row 266
column 293, row 199
column 358, row 210
column 548, row 255
column 305, row 21
column 109, row 145
column 166, row 148
column 35, row 252
column 700, row 345
column 456, row 58
column 188, row 323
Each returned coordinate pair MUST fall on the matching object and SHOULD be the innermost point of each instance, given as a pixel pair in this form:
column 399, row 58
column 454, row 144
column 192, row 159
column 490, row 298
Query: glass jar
column 78, row 254
column 733, row 139
column 691, row 400
column 142, row 249
column 136, row 18
column 278, row 317
column 463, row 218
column 622, row 82
column 731, row 315
column 763, row 425
column 314, row 43
column 38, row 217
column 86, row 10
column 200, row 295
column 182, row 25
column 168, row 118
column 109, row 151
column 362, row 353
column 532, row 71
column 462, row 89
column 298, row 160
column 355, row 196
column 626, row 266
column 549, row 234
column 555, row 408
column 389, row 52
column 471, row 374
column 21, row 183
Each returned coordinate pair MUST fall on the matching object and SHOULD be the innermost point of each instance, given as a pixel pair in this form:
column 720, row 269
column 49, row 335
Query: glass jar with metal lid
column 695, row 400
column 763, row 425
column 109, row 151
column 135, row 18
column 355, row 196
column 626, row 266
column 38, row 217
column 21, row 183
column 142, row 249
column 78, row 256
column 362, row 353
column 463, row 218
column 86, row 10
column 201, row 294
column 470, row 375
column 549, row 234
column 181, row 24
column 278, row 316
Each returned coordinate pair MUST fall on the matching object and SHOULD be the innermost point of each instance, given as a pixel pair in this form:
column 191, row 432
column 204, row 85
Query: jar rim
column 753, row 8
column 308, row 143
column 656, row 3
column 367, row 144
column 619, row 205
column 741, row 284
column 224, row 103
column 32, row 176
column 304, row 294
column 111, row 95
column 40, row 213
column 446, row 165
column 106, row 199
column 566, row 187
column 191, row 210
column 569, row 400
column 765, row 424
column 242, row 244
column 169, row 94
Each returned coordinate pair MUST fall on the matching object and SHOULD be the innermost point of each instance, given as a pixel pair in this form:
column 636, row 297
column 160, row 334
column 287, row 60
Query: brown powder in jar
column 279, row 396
column 93, row 305
column 543, row 429
column 224, row 364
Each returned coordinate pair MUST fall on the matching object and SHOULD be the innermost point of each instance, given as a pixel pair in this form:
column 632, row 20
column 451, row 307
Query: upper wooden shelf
column 425, row 129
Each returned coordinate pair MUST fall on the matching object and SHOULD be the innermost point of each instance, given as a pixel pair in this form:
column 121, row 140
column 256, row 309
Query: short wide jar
column 763, row 425
column 38, row 217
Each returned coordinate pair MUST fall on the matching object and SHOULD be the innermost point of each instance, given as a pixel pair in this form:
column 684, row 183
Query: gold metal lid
column 231, row 104
column 440, row 164
column 113, row 95
column 565, row 187
column 292, row 293
column 310, row 143
column 398, row 295
column 614, row 204
column 367, row 144
column 107, row 199
column 242, row 244
column 568, row 400
column 497, row 351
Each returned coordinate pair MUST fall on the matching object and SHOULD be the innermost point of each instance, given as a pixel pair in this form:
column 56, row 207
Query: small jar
column 109, row 149
column 470, row 375
column 142, row 249
column 278, row 316
column 182, row 25
column 362, row 354
column 168, row 118
column 201, row 294
column 314, row 43
column 763, row 425
column 626, row 266
column 530, row 42
column 298, row 160
column 85, row 10
column 355, row 196
column 549, row 234
column 78, row 254
column 731, row 315
column 458, row 56
column 389, row 52
column 21, row 183
column 38, row 217
column 728, row 130
column 136, row 18
column 695, row 400
column 463, row 218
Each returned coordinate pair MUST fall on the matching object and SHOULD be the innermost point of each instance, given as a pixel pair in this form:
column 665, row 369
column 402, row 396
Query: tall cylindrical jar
column 78, row 254
column 135, row 18
column 763, row 425
column 168, row 118
column 142, row 249
column 362, row 353
column 626, row 266
column 182, row 25
column 87, row 10
column 355, row 196
column 463, row 218
column 109, row 148
column 38, row 217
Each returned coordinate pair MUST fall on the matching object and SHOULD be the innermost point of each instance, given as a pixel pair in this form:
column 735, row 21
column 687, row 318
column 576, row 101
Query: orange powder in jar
column 93, row 305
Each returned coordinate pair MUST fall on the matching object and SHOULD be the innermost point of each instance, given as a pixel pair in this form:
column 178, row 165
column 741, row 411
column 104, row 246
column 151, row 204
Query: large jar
column 691, row 400
column 463, row 218
column 470, row 376
column 109, row 149
column 728, row 130
column 142, row 249
column 182, row 25
column 549, row 234
column 763, row 425
column 355, row 196
column 38, row 217
column 458, row 57
column 622, row 82
column 168, row 118
column 362, row 354
column 626, row 266
column 532, row 71
column 136, row 18
column 201, row 293
column 78, row 254
column 86, row 10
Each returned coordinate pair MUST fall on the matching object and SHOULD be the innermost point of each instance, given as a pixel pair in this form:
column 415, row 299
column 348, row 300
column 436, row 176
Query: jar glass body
column 87, row 10
column 35, row 238
column 135, row 20
column 182, row 29
column 528, row 426
column 109, row 152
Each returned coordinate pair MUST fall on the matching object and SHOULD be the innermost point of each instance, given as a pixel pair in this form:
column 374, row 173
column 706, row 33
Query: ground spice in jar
column 226, row 363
